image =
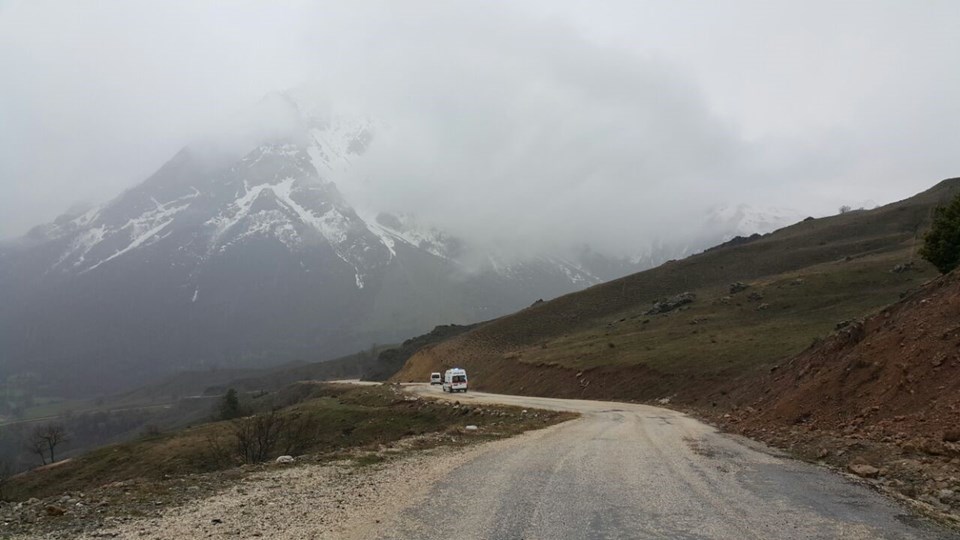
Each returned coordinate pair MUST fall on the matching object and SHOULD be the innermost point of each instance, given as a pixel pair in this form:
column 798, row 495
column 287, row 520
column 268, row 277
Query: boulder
column 672, row 303
column 863, row 470
column 901, row 268
column 738, row 287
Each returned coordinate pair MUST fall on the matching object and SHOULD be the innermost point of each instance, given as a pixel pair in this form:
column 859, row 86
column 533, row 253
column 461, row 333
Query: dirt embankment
column 880, row 397
column 504, row 373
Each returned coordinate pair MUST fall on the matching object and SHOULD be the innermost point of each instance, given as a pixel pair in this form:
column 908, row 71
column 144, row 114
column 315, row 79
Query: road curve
column 635, row 471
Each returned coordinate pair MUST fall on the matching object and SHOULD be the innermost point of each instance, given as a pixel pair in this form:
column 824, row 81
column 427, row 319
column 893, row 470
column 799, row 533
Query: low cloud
column 515, row 127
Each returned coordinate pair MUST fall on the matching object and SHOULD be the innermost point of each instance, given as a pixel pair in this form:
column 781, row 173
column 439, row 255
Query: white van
column 436, row 378
column 455, row 380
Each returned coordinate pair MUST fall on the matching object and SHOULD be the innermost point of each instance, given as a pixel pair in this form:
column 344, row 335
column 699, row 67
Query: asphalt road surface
column 635, row 471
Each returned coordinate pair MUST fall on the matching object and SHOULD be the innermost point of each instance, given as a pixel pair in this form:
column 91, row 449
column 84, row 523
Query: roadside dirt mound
column 896, row 372
column 506, row 374
column 879, row 398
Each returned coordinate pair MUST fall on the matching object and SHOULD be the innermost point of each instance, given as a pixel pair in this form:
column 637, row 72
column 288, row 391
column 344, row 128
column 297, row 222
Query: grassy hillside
column 346, row 426
column 802, row 280
column 319, row 420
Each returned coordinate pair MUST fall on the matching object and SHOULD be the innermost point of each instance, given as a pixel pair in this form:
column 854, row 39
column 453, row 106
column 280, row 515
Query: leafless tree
column 298, row 434
column 46, row 439
column 37, row 446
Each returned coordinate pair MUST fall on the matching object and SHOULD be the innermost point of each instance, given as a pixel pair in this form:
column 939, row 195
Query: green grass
column 723, row 333
column 718, row 334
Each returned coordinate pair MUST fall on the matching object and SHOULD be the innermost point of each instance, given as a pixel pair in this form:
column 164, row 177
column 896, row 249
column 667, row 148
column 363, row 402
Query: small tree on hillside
column 37, row 446
column 230, row 405
column 941, row 245
column 52, row 435
column 45, row 439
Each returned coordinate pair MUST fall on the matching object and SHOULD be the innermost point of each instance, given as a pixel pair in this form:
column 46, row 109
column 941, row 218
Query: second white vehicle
column 436, row 378
column 455, row 380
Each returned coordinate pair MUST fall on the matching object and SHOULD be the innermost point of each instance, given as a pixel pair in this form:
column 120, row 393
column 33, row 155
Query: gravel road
column 635, row 471
column 619, row 471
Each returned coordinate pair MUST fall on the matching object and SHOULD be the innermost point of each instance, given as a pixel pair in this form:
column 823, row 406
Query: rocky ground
column 924, row 473
column 302, row 500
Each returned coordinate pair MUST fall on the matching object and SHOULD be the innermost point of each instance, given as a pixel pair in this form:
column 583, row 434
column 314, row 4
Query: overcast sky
column 543, row 118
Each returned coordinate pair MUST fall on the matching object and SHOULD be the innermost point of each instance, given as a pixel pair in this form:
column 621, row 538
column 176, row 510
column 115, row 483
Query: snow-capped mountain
column 239, row 260
column 228, row 258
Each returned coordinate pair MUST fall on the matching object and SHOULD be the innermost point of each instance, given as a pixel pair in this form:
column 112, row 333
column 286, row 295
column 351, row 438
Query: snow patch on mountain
column 577, row 273
column 81, row 245
column 224, row 221
column 408, row 229
column 334, row 144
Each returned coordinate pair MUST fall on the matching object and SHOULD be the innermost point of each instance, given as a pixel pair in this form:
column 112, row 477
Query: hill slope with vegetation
column 685, row 329
column 303, row 424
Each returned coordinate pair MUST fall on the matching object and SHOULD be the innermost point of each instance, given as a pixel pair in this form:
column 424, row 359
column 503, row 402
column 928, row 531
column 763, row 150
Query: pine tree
column 941, row 245
column 230, row 406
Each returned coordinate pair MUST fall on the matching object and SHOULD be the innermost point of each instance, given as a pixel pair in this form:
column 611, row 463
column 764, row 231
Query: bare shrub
column 217, row 452
column 256, row 436
column 299, row 433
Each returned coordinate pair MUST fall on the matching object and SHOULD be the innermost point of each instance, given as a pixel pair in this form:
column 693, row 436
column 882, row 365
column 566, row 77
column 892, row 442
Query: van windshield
column 459, row 378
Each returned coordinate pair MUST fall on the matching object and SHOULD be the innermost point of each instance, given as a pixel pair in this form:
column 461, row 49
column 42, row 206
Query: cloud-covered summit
column 527, row 126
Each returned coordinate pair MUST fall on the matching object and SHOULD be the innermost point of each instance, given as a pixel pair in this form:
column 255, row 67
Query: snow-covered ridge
column 281, row 191
column 90, row 231
column 405, row 228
